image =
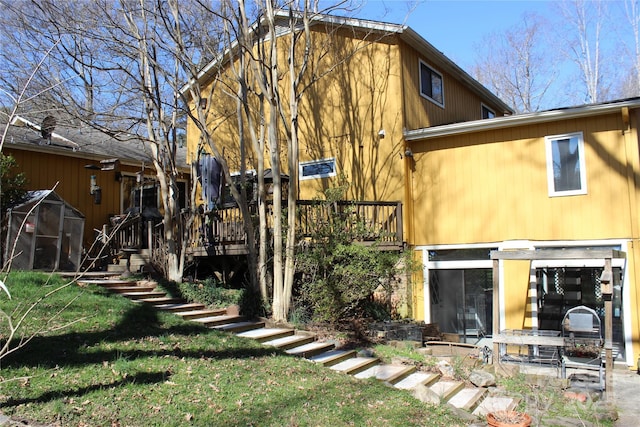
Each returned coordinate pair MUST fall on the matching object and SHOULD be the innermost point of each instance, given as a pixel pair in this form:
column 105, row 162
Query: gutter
column 519, row 120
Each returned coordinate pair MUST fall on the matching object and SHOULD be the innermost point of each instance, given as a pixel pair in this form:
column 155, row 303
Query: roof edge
column 315, row 17
column 519, row 120
column 418, row 42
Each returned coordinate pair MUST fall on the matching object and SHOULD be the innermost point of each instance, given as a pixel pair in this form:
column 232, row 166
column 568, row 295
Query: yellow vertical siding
column 341, row 116
column 44, row 170
column 492, row 186
column 460, row 104
column 369, row 83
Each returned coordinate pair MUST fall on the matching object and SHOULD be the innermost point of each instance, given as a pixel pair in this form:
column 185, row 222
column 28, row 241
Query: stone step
column 387, row 373
column 144, row 295
column 86, row 274
column 310, row 349
column 180, row 307
column 239, row 326
column 354, row 365
column 331, row 357
column 162, row 300
column 495, row 403
column 285, row 343
column 468, row 398
column 107, row 283
column 135, row 258
column 446, row 389
column 266, row 334
column 128, row 289
column 138, row 259
column 416, row 379
column 218, row 320
column 206, row 312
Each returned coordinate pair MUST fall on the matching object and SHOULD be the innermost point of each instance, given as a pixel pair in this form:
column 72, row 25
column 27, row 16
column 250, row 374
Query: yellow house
column 561, row 179
column 372, row 82
column 380, row 80
column 93, row 172
column 401, row 122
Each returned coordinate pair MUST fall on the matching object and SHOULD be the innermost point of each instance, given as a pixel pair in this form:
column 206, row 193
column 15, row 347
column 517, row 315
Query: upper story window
column 431, row 84
column 566, row 172
column 324, row 168
column 487, row 113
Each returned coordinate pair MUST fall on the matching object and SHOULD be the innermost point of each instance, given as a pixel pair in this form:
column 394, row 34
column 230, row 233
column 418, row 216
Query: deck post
column 496, row 309
column 606, row 283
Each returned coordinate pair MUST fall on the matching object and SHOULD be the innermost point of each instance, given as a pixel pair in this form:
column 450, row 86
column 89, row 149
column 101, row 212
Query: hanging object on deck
column 211, row 180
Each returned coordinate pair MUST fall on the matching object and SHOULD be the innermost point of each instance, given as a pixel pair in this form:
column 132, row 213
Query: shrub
column 338, row 275
column 212, row 293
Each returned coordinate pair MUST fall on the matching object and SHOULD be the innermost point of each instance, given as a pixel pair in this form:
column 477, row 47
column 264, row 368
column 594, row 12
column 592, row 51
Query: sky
column 455, row 27
column 458, row 27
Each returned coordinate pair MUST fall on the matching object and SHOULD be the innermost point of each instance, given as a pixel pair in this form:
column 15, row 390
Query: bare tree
column 261, row 112
column 123, row 64
column 582, row 43
column 630, row 82
column 517, row 65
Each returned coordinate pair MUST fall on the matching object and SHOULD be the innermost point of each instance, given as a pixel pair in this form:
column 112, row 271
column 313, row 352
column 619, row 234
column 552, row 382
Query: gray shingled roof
column 81, row 141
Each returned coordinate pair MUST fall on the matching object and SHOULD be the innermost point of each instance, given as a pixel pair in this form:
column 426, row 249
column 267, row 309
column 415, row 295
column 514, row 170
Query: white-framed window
column 487, row 113
column 566, row 171
column 324, row 168
column 431, row 84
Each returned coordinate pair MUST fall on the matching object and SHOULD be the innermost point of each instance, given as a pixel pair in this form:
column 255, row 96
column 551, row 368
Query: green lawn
column 107, row 361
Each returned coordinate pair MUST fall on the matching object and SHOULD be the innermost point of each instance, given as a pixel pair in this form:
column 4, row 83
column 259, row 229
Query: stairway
column 436, row 388
column 138, row 261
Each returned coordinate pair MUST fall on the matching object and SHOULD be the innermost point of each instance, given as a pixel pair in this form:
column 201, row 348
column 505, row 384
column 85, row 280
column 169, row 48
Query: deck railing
column 127, row 232
column 370, row 222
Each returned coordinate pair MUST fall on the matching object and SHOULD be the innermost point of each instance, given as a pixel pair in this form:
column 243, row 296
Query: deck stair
column 332, row 357
column 311, row 349
column 266, row 334
column 132, row 288
column 355, row 365
column 447, row 389
column 142, row 295
column 303, row 344
column 237, row 327
column 159, row 301
column 217, row 320
column 107, row 282
column 180, row 307
column 288, row 342
column 417, row 379
column 139, row 261
column 200, row 313
column 468, row 398
column 388, row 373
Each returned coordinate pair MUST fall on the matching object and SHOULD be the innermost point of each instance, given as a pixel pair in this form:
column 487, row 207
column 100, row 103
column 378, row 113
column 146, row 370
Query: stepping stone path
column 303, row 344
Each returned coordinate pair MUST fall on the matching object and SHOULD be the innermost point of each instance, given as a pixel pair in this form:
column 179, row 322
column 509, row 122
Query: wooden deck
column 222, row 232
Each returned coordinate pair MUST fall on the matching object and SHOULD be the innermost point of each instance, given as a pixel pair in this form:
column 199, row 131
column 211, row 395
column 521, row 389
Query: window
column 431, row 85
column 487, row 113
column 318, row 169
column 566, row 173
